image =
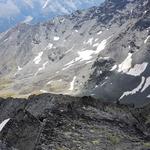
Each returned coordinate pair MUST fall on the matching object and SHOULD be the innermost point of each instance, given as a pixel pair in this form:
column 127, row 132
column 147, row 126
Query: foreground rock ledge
column 57, row 122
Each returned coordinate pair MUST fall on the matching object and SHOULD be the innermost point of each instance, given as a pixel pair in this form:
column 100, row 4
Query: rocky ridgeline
column 57, row 122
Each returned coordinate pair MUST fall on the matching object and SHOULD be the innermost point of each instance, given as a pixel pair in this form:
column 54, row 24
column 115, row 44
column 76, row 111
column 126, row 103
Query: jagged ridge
column 55, row 122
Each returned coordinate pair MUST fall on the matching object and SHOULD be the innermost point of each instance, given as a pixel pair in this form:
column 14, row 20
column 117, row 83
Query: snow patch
column 37, row 59
column 2, row 125
column 101, row 46
column 88, row 62
column 95, row 45
column 100, row 32
column 126, row 64
column 145, row 11
column 90, row 41
column 96, row 86
column 106, row 78
column 147, row 39
column 19, row 68
column 45, row 4
column 138, row 69
column 56, row 38
column 60, row 80
column 103, row 84
column 69, row 50
column 65, row 68
column 72, row 84
column 85, row 55
column 96, row 40
column 42, row 68
column 134, row 91
column 43, row 91
column 50, row 46
column 28, row 19
column 146, row 85
column 70, row 63
column 49, row 82
column 114, row 68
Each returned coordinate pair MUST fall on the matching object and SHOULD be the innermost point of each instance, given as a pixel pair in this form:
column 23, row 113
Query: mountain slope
column 33, row 11
column 103, row 51
column 57, row 122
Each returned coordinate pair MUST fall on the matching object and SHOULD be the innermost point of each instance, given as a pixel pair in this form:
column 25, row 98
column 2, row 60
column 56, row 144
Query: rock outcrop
column 57, row 122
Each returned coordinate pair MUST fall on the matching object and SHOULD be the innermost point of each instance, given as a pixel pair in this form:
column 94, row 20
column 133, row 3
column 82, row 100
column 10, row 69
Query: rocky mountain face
column 56, row 122
column 103, row 52
column 34, row 11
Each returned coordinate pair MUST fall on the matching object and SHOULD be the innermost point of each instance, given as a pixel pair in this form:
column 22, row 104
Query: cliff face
column 60, row 122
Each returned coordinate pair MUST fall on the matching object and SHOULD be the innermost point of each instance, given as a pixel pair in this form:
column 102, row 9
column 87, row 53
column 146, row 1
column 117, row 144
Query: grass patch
column 57, row 86
column 27, row 91
column 95, row 142
column 146, row 145
column 147, row 119
column 114, row 139
column 4, row 83
column 7, row 94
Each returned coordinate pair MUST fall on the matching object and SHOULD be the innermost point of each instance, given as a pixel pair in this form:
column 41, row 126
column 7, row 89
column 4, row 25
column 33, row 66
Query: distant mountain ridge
column 34, row 11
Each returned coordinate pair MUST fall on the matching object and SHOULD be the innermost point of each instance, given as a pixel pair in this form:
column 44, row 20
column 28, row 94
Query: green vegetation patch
column 114, row 139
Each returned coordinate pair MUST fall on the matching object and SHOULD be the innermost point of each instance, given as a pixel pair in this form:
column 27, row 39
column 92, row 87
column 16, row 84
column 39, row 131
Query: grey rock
column 73, row 123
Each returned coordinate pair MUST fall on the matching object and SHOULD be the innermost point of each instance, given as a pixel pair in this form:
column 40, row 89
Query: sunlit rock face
column 103, row 51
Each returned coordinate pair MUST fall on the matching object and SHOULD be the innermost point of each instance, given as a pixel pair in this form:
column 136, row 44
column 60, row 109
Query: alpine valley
column 103, row 51
column 80, row 81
